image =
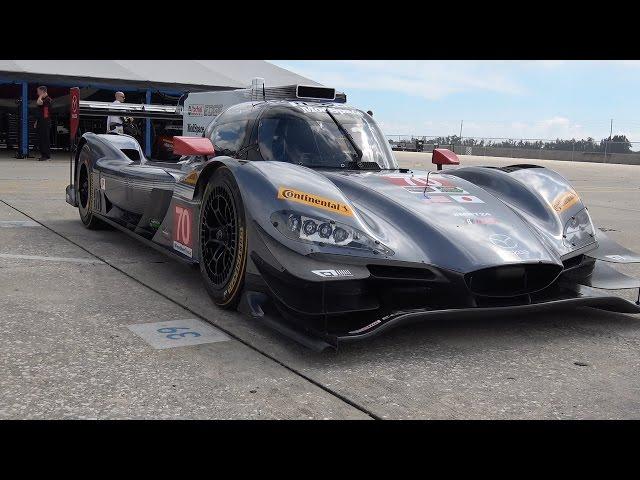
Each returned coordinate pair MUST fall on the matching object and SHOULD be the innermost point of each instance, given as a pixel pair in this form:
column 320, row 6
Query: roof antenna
column 427, row 186
column 256, row 83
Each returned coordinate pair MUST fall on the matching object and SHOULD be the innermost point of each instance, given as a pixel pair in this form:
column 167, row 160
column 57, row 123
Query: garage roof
column 175, row 74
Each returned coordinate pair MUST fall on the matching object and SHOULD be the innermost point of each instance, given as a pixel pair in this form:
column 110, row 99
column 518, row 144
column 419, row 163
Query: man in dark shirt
column 43, row 123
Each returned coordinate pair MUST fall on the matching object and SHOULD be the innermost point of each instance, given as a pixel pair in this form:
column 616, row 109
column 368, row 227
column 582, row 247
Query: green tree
column 618, row 144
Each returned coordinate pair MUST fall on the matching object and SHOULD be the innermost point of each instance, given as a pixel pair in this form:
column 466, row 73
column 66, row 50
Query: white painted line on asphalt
column 22, row 178
column 178, row 333
column 18, row 223
column 50, row 259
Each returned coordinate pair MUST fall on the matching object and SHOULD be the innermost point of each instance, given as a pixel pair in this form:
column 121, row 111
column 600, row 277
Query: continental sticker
column 564, row 201
column 314, row 200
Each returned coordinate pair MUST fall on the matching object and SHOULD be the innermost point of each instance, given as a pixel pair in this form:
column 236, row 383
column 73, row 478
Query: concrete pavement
column 67, row 351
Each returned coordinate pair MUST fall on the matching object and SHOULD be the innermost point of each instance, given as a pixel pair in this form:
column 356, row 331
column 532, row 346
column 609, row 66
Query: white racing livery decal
column 507, row 243
column 481, row 221
column 182, row 249
column 503, row 241
column 477, row 218
column 454, row 190
column 419, row 190
column 472, row 214
column 332, row 273
column 371, row 325
column 338, row 110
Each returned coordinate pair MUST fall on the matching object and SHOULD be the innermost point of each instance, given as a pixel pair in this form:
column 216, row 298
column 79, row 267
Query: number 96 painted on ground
column 178, row 333
column 173, row 333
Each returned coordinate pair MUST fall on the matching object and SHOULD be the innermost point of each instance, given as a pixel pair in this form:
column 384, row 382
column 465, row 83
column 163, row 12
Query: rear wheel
column 85, row 191
column 223, row 239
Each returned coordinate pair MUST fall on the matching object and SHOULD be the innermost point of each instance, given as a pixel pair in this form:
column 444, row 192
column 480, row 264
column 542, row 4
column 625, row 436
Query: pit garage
column 159, row 82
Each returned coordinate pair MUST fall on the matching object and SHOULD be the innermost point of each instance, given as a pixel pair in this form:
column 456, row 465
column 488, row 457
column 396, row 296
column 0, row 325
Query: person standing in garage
column 114, row 124
column 43, row 123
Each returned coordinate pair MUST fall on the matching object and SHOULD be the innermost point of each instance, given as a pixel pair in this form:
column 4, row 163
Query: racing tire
column 84, row 189
column 223, row 239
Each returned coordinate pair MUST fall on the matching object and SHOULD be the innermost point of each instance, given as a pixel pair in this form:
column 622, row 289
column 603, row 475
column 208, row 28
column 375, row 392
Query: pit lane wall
column 597, row 155
column 541, row 154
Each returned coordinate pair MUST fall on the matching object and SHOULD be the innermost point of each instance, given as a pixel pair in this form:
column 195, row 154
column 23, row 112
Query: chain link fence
column 578, row 150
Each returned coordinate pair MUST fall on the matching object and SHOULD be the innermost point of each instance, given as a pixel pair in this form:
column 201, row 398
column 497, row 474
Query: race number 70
column 182, row 225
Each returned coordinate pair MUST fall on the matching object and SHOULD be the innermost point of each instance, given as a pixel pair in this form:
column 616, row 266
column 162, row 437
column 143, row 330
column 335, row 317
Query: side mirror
column 443, row 156
column 192, row 146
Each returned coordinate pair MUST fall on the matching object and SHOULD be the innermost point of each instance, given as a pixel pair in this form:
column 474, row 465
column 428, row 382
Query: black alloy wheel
column 223, row 239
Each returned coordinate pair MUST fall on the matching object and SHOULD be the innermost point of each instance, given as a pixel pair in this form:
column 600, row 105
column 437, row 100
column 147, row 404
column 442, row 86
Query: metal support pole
column 147, row 136
column 606, row 144
column 24, row 121
column 611, row 130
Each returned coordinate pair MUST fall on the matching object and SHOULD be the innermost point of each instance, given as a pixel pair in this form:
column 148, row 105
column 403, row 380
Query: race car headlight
column 578, row 231
column 322, row 231
column 309, row 227
column 293, row 223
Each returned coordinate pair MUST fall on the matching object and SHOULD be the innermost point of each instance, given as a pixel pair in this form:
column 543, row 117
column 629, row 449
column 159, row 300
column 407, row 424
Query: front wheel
column 223, row 239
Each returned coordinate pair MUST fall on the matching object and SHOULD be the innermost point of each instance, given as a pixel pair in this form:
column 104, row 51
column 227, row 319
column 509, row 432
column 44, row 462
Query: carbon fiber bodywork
column 464, row 241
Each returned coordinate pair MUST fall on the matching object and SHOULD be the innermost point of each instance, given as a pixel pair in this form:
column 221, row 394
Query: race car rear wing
column 79, row 108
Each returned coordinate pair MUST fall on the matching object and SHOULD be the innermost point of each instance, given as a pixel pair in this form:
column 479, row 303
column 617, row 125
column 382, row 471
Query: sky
column 498, row 99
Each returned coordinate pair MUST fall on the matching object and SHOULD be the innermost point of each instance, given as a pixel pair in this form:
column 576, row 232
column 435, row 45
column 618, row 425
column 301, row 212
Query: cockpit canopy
column 316, row 136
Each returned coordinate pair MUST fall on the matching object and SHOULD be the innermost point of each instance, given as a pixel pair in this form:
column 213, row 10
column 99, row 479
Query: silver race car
column 298, row 214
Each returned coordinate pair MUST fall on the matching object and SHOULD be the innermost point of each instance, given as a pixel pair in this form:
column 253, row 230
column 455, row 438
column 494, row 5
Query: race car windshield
column 316, row 140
